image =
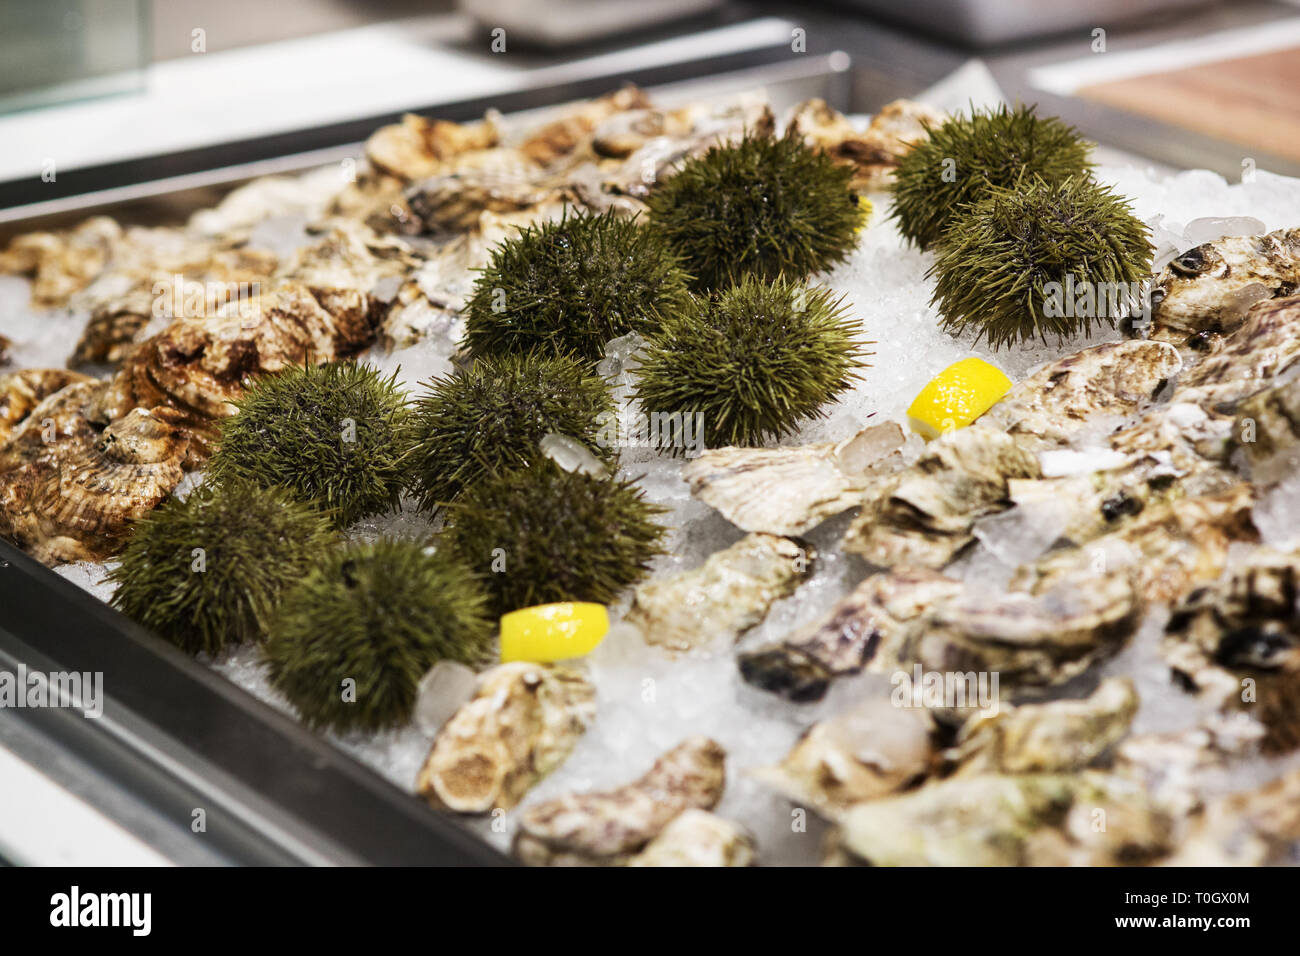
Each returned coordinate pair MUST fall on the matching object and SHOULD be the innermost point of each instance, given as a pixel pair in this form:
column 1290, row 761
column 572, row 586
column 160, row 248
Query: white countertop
column 217, row 96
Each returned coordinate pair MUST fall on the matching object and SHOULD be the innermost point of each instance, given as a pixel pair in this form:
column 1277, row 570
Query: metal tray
column 175, row 736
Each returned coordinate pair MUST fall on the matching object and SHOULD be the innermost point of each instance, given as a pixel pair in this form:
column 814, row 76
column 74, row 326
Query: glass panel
column 53, row 51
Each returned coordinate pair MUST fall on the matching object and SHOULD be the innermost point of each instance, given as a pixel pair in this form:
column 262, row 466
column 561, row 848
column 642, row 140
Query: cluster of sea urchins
column 1007, row 202
column 348, row 629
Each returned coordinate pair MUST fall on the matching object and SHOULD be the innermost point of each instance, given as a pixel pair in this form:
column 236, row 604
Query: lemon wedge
column 956, row 397
column 553, row 632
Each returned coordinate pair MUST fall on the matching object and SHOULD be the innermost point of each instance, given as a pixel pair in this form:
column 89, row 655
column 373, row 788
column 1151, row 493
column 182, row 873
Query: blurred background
column 111, row 94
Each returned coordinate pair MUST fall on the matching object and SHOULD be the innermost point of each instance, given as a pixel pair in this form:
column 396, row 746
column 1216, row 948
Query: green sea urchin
column 350, row 643
column 206, row 572
column 334, row 434
column 569, row 286
column 753, row 362
column 1040, row 258
column 542, row 534
column 765, row 206
column 492, row 415
column 969, row 155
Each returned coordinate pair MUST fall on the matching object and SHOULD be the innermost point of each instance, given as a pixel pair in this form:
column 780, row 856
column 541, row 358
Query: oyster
column 606, row 828
column 561, row 138
column 1166, row 550
column 726, row 595
column 520, row 725
column 924, row 516
column 1237, row 641
column 871, row 621
column 1267, row 428
column 198, row 365
column 1258, row 827
column 70, row 491
column 1265, row 345
column 1026, row 640
column 873, row 154
column 1174, row 766
column 791, row 490
column 872, row 750
column 1172, row 451
column 1055, row 737
column 1084, row 390
column 118, row 322
column 22, row 391
column 62, row 263
column 698, row 838
column 418, row 147
column 1010, row 820
column 1207, row 290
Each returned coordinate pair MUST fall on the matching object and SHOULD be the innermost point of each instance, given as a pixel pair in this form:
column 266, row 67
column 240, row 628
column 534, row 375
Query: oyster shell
column 61, row 263
column 726, row 595
column 520, row 725
column 1055, row 737
column 1172, row 451
column 1259, row 827
column 1207, row 290
column 1265, row 345
column 1166, row 550
column 1267, row 429
column 1010, row 820
column 606, row 828
column 1083, row 390
column 418, row 147
column 870, row 622
column 1237, row 641
column 561, row 138
column 22, row 391
column 788, row 491
column 1037, row 640
column 70, row 491
column 874, row 153
column 698, row 838
column 924, row 517
column 870, row 751
column 118, row 322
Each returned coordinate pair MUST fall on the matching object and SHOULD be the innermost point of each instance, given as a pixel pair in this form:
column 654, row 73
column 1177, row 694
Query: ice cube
column 441, row 692
column 571, row 455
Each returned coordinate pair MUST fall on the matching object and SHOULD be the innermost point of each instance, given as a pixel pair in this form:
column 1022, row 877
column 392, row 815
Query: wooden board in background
column 1254, row 100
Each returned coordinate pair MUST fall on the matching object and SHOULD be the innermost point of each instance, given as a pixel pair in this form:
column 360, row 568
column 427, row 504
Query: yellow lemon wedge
column 865, row 209
column 956, row 397
column 552, row 632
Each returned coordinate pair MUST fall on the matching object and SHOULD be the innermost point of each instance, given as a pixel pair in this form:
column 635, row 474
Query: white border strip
column 42, row 824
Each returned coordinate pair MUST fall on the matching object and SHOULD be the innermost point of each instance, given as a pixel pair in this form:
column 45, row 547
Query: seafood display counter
column 711, row 473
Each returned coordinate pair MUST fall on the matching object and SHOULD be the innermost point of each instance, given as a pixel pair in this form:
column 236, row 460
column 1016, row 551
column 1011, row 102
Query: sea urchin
column 753, row 362
column 492, row 415
column 206, row 572
column 1040, row 259
column 569, row 286
column 969, row 155
column 350, row 643
column 542, row 534
column 765, row 206
column 334, row 434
